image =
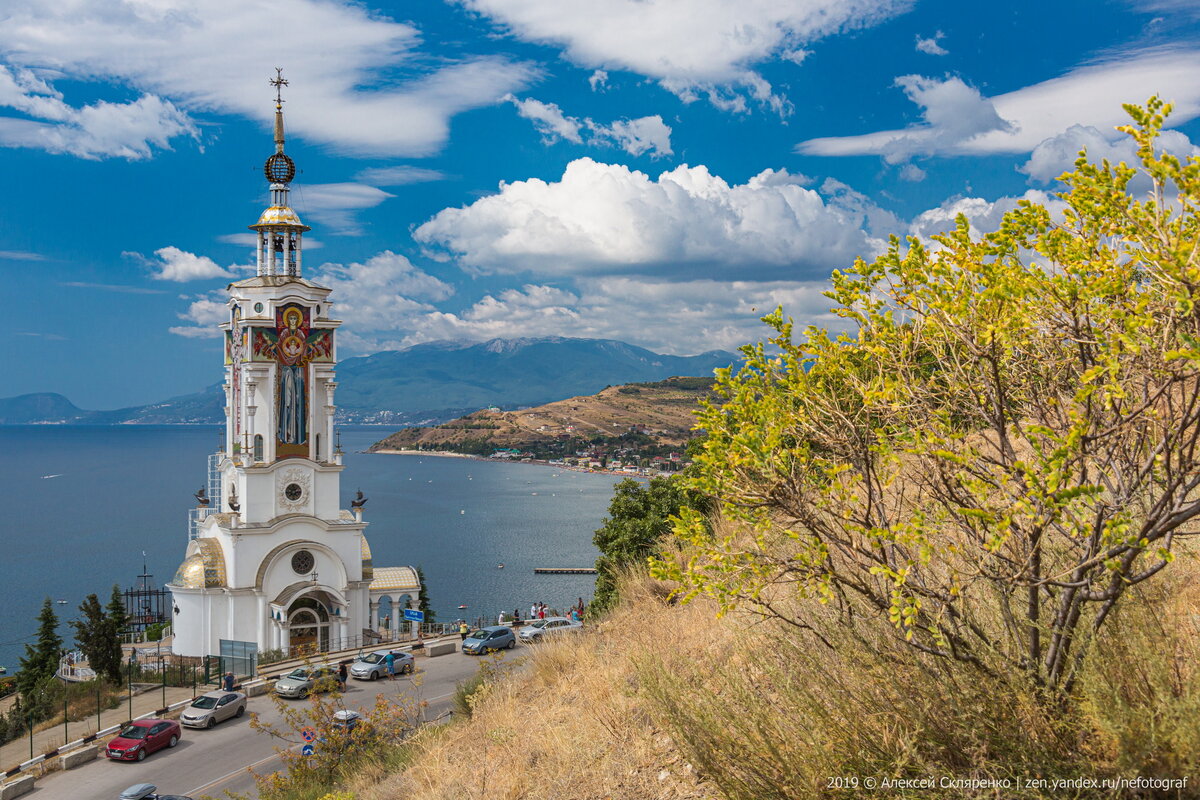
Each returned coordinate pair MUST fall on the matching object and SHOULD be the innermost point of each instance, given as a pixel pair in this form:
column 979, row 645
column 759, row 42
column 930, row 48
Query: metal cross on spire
column 278, row 82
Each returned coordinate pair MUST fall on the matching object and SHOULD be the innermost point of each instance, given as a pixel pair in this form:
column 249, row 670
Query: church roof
column 279, row 215
column 395, row 579
column 266, row 281
column 204, row 567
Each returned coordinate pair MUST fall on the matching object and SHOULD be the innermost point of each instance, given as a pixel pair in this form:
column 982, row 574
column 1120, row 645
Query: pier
column 564, row 570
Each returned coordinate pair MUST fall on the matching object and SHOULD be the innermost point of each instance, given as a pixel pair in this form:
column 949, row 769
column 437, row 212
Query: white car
column 373, row 666
column 535, row 630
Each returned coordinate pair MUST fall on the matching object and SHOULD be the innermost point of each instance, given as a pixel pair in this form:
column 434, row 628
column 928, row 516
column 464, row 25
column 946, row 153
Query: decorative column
column 375, row 615
column 397, row 616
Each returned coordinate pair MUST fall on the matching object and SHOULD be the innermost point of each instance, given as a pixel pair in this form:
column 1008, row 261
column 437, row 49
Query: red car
column 142, row 737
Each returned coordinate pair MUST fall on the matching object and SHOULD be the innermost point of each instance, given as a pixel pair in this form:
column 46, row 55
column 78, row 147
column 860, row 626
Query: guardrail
column 252, row 685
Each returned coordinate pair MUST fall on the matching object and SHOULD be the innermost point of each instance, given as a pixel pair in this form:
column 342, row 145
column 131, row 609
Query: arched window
column 258, row 447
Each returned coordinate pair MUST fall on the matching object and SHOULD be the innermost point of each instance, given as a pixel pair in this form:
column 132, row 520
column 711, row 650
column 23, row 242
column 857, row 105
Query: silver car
column 373, row 666
column 535, row 630
column 302, row 681
column 212, row 707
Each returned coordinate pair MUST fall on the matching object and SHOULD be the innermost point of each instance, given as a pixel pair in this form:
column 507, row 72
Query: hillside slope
column 661, row 412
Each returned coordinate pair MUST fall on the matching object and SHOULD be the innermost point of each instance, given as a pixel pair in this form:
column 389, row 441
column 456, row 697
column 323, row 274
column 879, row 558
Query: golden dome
column 368, row 569
column 204, row 568
column 279, row 215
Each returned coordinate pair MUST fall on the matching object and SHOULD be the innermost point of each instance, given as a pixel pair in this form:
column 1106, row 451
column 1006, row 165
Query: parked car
column 142, row 737
column 212, row 707
column 550, row 625
column 148, row 791
column 486, row 640
column 302, row 681
column 372, row 666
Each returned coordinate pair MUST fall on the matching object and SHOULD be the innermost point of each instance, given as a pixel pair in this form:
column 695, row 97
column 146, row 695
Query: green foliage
column 98, row 637
column 423, row 597
column 1002, row 444
column 40, row 661
column 638, row 517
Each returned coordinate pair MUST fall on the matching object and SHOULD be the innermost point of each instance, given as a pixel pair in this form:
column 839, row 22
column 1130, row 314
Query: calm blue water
column 122, row 490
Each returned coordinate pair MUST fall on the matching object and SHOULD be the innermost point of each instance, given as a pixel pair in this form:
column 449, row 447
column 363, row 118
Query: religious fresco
column 292, row 345
column 235, row 354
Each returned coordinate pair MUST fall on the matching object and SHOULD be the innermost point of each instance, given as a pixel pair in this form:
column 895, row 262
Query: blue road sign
column 307, row 750
column 414, row 615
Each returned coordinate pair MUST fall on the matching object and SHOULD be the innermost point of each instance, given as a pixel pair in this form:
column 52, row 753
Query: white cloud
column 205, row 312
column 694, row 48
column 912, row 173
column 598, row 80
column 984, row 215
column 664, row 316
column 383, row 293
column 931, row 46
column 637, row 136
column 215, row 55
column 336, row 204
column 644, row 135
column 127, row 130
column 20, row 255
column 607, row 219
column 549, row 120
column 173, row 264
column 1089, row 96
column 1057, row 154
column 398, row 176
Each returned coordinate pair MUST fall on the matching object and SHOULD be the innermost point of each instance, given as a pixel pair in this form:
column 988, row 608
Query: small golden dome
column 279, row 215
column 204, row 568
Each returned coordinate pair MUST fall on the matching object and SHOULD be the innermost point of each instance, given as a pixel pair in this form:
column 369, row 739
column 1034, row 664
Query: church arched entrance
column 307, row 626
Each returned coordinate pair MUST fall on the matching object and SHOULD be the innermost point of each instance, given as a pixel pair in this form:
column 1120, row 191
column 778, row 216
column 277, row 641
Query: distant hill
column 642, row 416
column 424, row 384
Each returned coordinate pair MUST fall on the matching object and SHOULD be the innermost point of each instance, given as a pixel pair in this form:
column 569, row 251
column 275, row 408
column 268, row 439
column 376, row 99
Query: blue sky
column 657, row 171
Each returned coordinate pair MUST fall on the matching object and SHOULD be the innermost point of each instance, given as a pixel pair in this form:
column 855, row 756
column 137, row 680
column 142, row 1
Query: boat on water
column 61, row 602
column 499, row 566
column 462, row 606
column 3, row 670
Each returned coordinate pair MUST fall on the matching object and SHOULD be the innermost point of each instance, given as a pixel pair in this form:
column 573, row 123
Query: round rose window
column 302, row 562
column 292, row 491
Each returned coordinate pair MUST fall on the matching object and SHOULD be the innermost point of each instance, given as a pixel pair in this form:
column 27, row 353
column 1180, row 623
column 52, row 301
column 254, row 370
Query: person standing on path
column 342, row 676
column 462, row 630
column 533, row 609
column 390, row 661
column 230, row 680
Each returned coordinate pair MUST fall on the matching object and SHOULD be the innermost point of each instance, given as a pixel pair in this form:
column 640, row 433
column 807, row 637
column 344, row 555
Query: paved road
column 208, row 762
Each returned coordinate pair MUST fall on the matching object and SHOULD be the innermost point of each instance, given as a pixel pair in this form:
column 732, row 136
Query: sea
column 85, row 507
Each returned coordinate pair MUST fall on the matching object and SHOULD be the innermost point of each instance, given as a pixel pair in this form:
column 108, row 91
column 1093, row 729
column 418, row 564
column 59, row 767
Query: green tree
column 1001, row 446
column 638, row 517
column 423, row 597
column 117, row 619
column 40, row 662
column 95, row 637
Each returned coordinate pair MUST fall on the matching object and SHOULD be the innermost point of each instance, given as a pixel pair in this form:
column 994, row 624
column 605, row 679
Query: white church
column 273, row 561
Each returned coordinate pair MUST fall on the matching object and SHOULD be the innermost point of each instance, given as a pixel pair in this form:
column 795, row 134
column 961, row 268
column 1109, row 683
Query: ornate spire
column 279, row 168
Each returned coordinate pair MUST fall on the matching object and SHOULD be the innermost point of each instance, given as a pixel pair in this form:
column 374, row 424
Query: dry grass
column 573, row 725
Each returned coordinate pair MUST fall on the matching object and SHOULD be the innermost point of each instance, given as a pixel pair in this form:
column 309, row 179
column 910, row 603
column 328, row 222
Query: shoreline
column 534, row 461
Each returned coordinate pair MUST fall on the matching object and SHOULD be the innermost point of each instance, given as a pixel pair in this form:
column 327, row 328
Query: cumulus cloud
column 205, row 312
column 912, row 173
column 598, row 80
column 127, row 130
column 984, row 215
column 173, row 264
column 1057, row 154
column 688, row 223
column 644, row 135
column 931, row 46
column 1090, row 96
column 549, row 120
column 204, row 54
column 385, row 292
column 694, row 48
column 336, row 204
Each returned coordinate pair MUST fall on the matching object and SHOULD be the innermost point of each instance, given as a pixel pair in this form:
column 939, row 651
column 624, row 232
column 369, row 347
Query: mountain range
column 424, row 384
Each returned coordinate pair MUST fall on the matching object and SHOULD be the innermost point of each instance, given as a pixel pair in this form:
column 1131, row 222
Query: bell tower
column 273, row 561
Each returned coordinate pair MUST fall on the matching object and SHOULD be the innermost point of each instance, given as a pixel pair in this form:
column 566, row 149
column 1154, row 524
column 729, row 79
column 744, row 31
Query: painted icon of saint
column 293, row 402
